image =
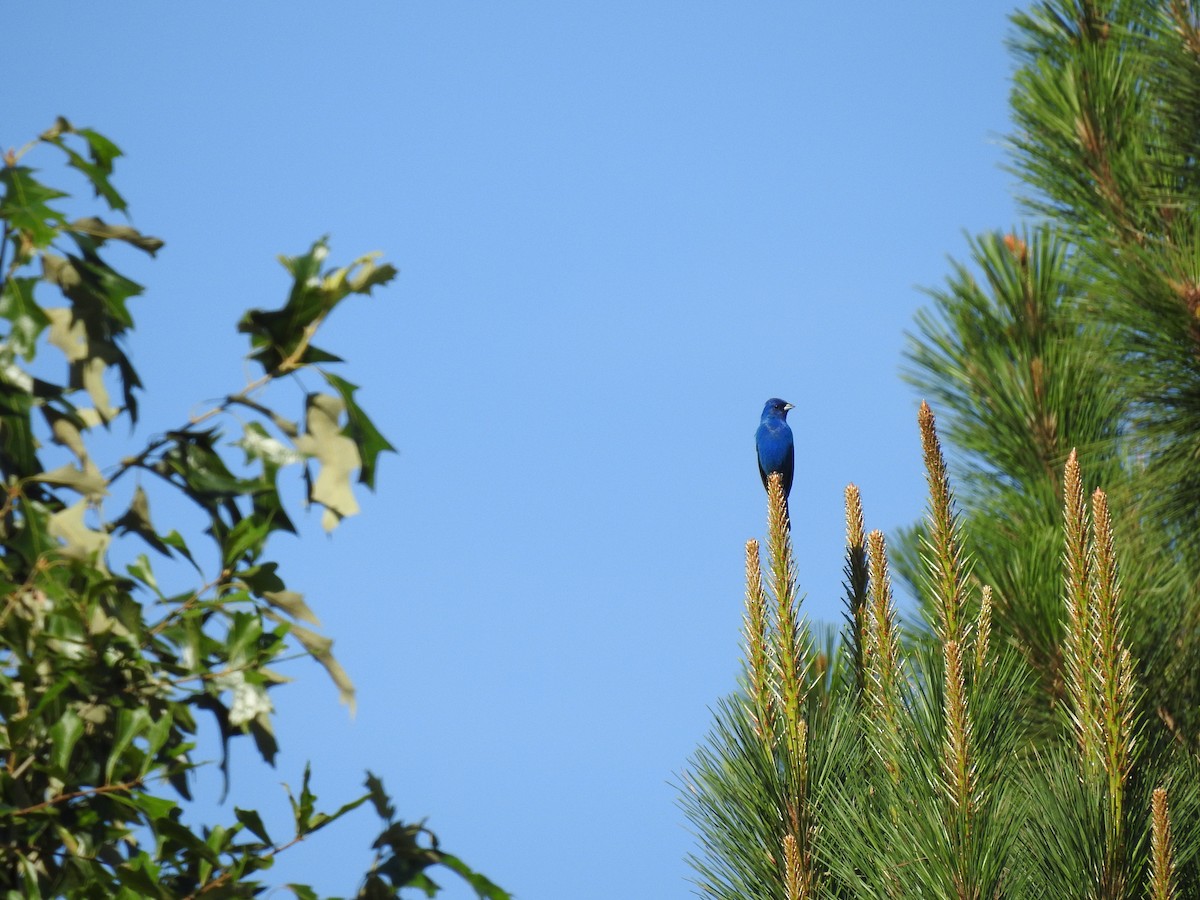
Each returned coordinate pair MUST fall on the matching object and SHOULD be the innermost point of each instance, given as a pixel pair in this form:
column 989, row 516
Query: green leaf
column 245, row 540
column 130, row 723
column 24, row 205
column 219, row 839
column 484, row 887
column 407, row 858
column 140, row 569
column 18, row 305
column 98, row 315
column 88, row 359
column 174, row 829
column 348, row 807
column 262, row 578
column 158, row 734
column 195, row 459
column 98, row 176
column 48, row 697
column 276, row 335
column 102, row 153
column 253, row 821
column 379, row 797
column 320, row 820
column 264, row 738
column 102, row 149
column 64, row 735
column 155, row 808
column 360, row 429
column 136, row 519
column 175, row 541
column 141, row 875
column 302, row 807
column 18, row 454
column 98, row 293
column 244, row 632
column 283, row 336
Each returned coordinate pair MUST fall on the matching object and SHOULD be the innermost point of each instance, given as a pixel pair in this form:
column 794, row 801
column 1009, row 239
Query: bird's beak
column 788, row 406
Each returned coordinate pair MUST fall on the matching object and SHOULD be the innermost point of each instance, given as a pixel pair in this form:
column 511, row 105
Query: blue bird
column 773, row 441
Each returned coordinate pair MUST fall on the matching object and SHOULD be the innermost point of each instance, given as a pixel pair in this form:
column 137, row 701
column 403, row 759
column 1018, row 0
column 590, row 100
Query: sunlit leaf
column 157, row 736
column 321, row 649
column 64, row 735
column 140, row 569
column 88, row 360
column 17, row 304
column 101, row 231
column 360, row 429
column 87, row 481
column 293, row 604
column 68, row 333
column 130, row 723
column 67, row 430
column 79, row 541
column 337, row 454
column 98, row 315
column 259, row 445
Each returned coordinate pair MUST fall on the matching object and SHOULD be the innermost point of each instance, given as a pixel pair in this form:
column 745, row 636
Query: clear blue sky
column 621, row 227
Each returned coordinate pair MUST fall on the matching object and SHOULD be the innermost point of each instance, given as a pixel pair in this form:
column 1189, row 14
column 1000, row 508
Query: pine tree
column 1086, row 334
column 1034, row 732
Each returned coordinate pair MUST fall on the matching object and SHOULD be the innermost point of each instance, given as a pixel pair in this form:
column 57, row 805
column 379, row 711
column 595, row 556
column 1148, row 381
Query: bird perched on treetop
column 773, row 441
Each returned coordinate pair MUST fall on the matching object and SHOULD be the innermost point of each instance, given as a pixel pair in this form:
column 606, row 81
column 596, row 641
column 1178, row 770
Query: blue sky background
column 621, row 227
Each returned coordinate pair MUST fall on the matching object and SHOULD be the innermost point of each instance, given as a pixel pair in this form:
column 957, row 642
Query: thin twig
column 220, row 880
column 286, row 367
column 74, row 795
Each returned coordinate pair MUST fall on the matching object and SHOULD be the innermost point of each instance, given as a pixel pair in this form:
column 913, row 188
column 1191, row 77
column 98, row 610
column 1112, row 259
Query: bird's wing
column 758, row 439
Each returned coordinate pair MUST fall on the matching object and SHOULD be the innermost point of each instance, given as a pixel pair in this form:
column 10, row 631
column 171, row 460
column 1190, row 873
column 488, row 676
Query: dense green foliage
column 1083, row 333
column 1035, row 733
column 104, row 674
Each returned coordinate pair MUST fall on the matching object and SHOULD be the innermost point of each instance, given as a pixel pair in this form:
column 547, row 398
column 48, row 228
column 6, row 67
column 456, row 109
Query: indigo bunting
column 773, row 441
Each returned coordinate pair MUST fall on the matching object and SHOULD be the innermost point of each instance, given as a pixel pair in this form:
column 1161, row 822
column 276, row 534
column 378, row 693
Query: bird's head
column 777, row 407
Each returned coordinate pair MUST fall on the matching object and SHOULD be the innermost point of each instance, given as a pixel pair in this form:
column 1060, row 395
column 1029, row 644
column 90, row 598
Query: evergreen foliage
column 1034, row 733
